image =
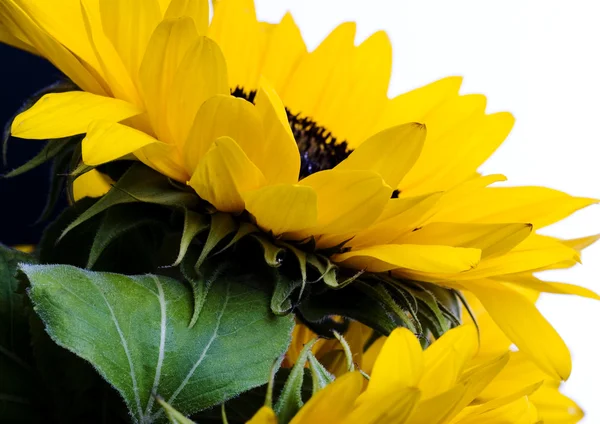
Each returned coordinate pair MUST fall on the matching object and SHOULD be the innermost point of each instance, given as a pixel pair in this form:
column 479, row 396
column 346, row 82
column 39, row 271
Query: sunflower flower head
column 369, row 210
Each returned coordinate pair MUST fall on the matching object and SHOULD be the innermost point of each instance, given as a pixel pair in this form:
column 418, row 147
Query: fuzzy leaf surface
column 134, row 330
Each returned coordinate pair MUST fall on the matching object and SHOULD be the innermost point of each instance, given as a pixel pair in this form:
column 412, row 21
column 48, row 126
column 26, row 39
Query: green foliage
column 134, row 330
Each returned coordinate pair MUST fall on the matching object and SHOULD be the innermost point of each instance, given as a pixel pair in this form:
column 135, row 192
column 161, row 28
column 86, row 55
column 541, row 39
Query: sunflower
column 307, row 143
column 408, row 385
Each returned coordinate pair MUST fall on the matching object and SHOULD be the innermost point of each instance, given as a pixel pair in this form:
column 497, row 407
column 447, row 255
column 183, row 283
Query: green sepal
column 290, row 401
column 119, row 221
column 52, row 149
column 274, row 255
column 320, row 376
column 221, row 226
column 138, row 184
column 194, row 224
column 134, row 330
column 281, row 302
column 174, row 416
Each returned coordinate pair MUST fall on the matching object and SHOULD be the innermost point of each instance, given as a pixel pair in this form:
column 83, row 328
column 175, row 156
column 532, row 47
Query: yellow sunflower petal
column 63, row 23
column 333, row 403
column 398, row 365
column 367, row 97
column 390, row 153
column 492, row 239
column 165, row 158
column 284, row 50
column 347, row 200
column 235, row 28
column 532, row 282
column 265, row 415
column 59, row 115
column 414, row 105
column 107, row 141
column 15, row 40
column 91, row 184
column 308, row 85
column 442, row 408
column 554, row 407
column 539, row 206
column 195, row 9
column 129, row 25
column 224, row 116
column 278, row 138
column 396, row 406
column 166, row 49
column 283, row 208
column 581, row 243
column 525, row 326
column 201, row 75
column 115, row 74
column 223, row 173
column 384, row 258
column 535, row 253
column 446, row 359
column 17, row 21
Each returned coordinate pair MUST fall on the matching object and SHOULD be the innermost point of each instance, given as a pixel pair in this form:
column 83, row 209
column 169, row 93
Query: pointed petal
column 59, row 115
column 539, row 206
column 443, row 407
column 535, row 253
column 129, row 25
column 17, row 21
column 91, row 184
column 554, row 407
column 446, row 359
column 16, row 40
column 235, row 29
column 348, row 200
column 278, row 138
column 223, row 116
column 265, row 415
column 398, row 365
column 400, row 216
column 395, row 407
column 283, row 208
column 164, row 158
column 285, row 49
column 370, row 77
column 201, row 75
column 525, row 326
column 223, row 173
column 492, row 239
column 107, row 141
column 414, row 105
column 532, row 282
column 581, row 243
column 167, row 47
column 195, row 9
column 110, row 65
column 391, row 153
column 384, row 258
column 333, row 403
column 312, row 78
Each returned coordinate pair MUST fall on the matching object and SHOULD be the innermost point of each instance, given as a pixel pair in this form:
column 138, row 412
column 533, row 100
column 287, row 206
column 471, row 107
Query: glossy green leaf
column 134, row 330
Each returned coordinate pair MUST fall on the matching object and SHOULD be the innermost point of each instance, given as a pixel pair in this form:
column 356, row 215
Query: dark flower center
column 319, row 149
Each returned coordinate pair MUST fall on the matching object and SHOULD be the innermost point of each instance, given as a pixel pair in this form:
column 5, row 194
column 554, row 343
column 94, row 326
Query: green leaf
column 17, row 378
column 138, row 184
column 134, row 330
column 290, row 401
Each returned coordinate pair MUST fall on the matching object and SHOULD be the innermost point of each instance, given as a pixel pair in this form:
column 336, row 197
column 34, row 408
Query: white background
column 539, row 60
